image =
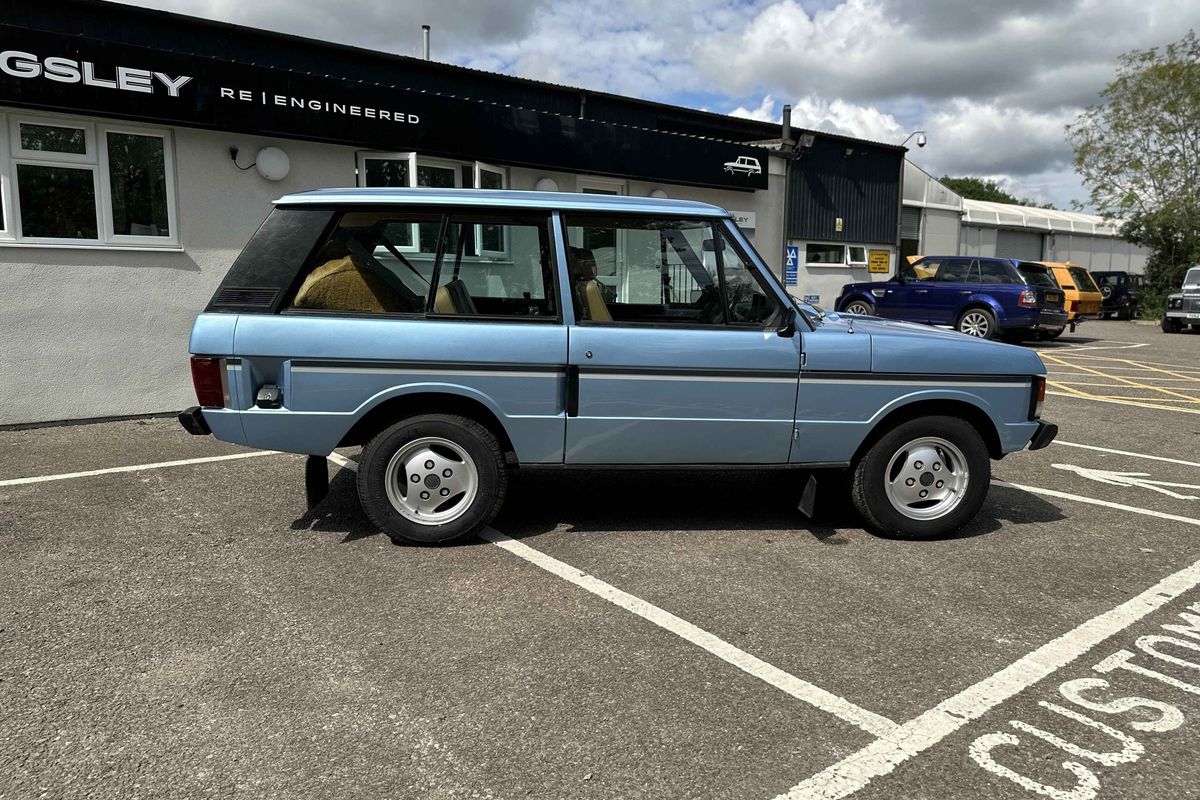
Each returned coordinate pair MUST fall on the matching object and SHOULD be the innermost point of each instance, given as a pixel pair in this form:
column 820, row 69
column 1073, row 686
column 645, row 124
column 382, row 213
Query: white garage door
column 1019, row 244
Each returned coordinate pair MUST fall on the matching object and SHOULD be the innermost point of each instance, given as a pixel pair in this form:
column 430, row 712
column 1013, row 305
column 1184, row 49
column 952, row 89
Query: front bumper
column 1043, row 436
column 193, row 421
column 1187, row 316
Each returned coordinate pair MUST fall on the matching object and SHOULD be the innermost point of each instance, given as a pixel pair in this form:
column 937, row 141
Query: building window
column 412, row 170
column 63, row 182
column 820, row 254
column 856, row 255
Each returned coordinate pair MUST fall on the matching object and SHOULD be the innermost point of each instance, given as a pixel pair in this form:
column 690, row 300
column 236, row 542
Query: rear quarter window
column 264, row 272
column 1037, row 275
column 1082, row 279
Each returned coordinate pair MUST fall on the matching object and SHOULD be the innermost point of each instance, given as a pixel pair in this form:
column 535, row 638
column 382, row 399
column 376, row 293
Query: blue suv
column 461, row 335
column 983, row 297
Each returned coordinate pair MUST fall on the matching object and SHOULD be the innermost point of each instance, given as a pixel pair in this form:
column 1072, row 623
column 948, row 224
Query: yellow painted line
column 1143, row 363
column 1144, row 367
column 1125, row 381
column 1078, row 395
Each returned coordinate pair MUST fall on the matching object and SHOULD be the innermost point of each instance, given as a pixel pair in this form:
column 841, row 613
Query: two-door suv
column 982, row 297
column 463, row 334
column 1183, row 307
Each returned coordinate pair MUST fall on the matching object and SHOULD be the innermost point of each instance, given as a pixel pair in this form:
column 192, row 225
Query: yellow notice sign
column 879, row 261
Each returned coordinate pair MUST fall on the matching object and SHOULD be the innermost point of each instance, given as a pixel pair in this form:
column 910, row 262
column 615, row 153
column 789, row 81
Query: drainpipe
column 788, row 158
column 425, row 42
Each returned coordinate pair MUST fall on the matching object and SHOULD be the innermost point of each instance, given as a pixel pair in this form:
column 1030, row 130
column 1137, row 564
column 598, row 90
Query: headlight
column 1174, row 302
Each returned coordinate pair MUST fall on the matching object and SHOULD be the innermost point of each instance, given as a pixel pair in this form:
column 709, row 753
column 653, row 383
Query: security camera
column 921, row 140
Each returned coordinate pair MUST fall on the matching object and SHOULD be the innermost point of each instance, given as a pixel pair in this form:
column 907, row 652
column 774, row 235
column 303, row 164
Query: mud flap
column 316, row 480
column 808, row 498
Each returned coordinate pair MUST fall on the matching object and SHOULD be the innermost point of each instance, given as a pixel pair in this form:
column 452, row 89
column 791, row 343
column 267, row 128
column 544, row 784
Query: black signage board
column 86, row 76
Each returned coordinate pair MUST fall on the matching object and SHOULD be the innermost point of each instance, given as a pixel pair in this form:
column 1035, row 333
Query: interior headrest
column 582, row 263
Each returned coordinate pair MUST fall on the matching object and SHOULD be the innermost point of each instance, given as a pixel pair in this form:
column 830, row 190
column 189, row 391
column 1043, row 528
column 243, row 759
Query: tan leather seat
column 343, row 285
column 454, row 298
column 582, row 264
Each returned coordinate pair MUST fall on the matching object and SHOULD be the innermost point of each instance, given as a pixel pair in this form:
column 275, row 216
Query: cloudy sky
column 992, row 82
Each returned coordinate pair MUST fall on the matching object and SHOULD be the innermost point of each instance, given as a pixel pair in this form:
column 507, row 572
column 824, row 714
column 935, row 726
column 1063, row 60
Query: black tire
column 867, row 307
column 1170, row 325
column 977, row 318
column 1048, row 336
column 476, row 443
column 869, row 487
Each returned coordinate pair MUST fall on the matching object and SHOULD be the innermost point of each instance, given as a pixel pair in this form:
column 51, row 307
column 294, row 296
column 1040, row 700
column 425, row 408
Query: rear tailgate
column 1041, row 280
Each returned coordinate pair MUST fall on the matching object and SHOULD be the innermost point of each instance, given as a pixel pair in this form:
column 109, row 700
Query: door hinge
column 795, row 433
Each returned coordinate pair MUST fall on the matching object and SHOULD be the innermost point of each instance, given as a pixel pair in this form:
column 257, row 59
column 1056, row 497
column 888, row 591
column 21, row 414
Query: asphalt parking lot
column 190, row 630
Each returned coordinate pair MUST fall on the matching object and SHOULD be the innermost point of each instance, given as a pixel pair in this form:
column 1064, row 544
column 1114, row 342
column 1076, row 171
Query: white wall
column 90, row 332
column 826, row 281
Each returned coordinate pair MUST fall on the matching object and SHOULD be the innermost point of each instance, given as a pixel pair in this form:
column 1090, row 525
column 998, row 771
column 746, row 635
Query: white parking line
column 1128, row 453
column 134, row 468
column 1093, row 501
column 880, row 758
column 802, row 690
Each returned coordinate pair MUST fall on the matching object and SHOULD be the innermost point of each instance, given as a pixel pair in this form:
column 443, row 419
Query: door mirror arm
column 788, row 329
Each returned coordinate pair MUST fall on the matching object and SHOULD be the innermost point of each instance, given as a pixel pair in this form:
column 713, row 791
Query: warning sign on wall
column 879, row 261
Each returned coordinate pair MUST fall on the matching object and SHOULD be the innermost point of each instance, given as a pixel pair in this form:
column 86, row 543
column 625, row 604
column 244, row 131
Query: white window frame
column 106, row 201
column 95, row 160
column 88, row 156
column 416, row 160
column 850, row 258
column 7, row 218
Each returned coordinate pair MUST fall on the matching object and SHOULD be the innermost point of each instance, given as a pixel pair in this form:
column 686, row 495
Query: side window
column 658, row 270
column 369, row 263
column 747, row 298
column 496, row 266
column 996, row 272
column 956, row 270
column 924, row 270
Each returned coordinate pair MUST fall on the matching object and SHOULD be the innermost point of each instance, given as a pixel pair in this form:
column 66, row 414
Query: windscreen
column 1037, row 275
column 1192, row 279
column 1082, row 279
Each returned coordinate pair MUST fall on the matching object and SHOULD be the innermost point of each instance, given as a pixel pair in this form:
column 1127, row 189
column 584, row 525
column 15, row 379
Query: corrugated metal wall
column 857, row 182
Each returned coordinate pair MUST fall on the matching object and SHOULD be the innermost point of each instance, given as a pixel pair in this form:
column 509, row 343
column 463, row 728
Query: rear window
column 1082, row 279
column 1037, row 275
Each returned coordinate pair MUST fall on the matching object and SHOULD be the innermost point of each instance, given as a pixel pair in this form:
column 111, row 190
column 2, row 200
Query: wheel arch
column 866, row 297
column 433, row 401
column 981, row 301
column 973, row 414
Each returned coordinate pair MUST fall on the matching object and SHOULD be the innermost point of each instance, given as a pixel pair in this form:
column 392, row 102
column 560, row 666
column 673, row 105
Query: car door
column 905, row 299
column 956, row 280
column 685, row 364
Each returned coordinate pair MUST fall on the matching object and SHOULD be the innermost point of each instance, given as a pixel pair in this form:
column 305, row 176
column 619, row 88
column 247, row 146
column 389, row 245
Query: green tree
column 984, row 189
column 1138, row 152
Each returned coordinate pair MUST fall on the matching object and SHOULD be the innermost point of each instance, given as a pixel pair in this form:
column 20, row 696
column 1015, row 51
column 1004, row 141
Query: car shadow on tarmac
column 613, row 501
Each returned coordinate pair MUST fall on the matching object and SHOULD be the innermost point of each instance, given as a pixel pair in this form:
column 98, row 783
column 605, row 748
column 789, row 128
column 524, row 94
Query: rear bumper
column 1043, row 436
column 193, row 421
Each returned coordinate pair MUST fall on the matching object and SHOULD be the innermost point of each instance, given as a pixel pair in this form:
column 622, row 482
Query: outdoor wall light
column 546, row 185
column 271, row 163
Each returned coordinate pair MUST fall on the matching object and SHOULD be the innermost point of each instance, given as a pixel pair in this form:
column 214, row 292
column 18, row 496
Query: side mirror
column 788, row 329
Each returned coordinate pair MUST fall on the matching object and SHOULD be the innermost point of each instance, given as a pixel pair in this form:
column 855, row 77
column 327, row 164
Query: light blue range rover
column 458, row 335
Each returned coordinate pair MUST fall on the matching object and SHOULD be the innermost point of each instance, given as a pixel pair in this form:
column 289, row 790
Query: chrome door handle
column 965, row 291
column 922, row 291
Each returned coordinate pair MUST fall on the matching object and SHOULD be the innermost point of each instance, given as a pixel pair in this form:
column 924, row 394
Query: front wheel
column 1171, row 325
column 432, row 478
column 924, row 478
column 977, row 322
column 859, row 307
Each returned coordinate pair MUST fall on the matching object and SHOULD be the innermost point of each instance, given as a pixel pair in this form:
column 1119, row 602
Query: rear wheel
column 432, row 478
column 859, row 307
column 926, row 477
column 1050, row 335
column 977, row 322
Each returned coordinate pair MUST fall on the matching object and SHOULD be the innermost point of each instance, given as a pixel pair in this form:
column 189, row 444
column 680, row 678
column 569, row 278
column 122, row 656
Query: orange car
column 1082, row 297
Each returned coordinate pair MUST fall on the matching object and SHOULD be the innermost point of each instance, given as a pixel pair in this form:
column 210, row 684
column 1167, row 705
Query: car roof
column 500, row 198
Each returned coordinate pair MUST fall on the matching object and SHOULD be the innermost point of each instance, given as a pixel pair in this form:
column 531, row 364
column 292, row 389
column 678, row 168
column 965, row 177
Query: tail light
column 208, row 376
column 1037, row 397
column 1029, row 298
